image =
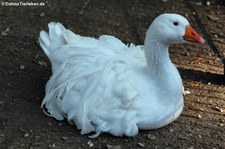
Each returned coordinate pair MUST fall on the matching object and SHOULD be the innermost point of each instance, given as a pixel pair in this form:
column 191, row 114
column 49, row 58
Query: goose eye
column 175, row 23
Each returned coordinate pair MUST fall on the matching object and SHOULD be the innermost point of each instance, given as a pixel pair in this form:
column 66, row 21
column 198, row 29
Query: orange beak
column 192, row 36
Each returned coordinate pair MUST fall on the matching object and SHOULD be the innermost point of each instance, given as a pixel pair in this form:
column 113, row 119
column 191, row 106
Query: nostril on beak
column 193, row 33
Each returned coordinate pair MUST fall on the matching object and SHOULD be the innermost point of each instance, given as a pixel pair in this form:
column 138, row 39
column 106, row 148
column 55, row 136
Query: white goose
column 103, row 85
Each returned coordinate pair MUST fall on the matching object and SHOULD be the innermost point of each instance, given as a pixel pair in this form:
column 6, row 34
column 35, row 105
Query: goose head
column 172, row 28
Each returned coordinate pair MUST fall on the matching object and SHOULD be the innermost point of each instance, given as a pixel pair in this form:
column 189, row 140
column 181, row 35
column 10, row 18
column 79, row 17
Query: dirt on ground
column 24, row 71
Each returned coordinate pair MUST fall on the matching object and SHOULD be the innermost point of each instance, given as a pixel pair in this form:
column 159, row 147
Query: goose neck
column 157, row 56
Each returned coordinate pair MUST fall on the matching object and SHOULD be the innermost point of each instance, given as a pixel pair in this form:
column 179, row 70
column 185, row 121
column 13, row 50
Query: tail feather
column 44, row 41
column 56, row 31
column 52, row 40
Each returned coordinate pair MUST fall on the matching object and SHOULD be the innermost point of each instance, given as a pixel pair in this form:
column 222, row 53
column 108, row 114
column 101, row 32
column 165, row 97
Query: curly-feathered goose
column 104, row 85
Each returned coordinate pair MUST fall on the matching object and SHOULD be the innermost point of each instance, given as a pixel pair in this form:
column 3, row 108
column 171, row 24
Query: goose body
column 103, row 85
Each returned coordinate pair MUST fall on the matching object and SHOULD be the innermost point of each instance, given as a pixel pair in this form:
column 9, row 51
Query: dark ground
column 23, row 73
